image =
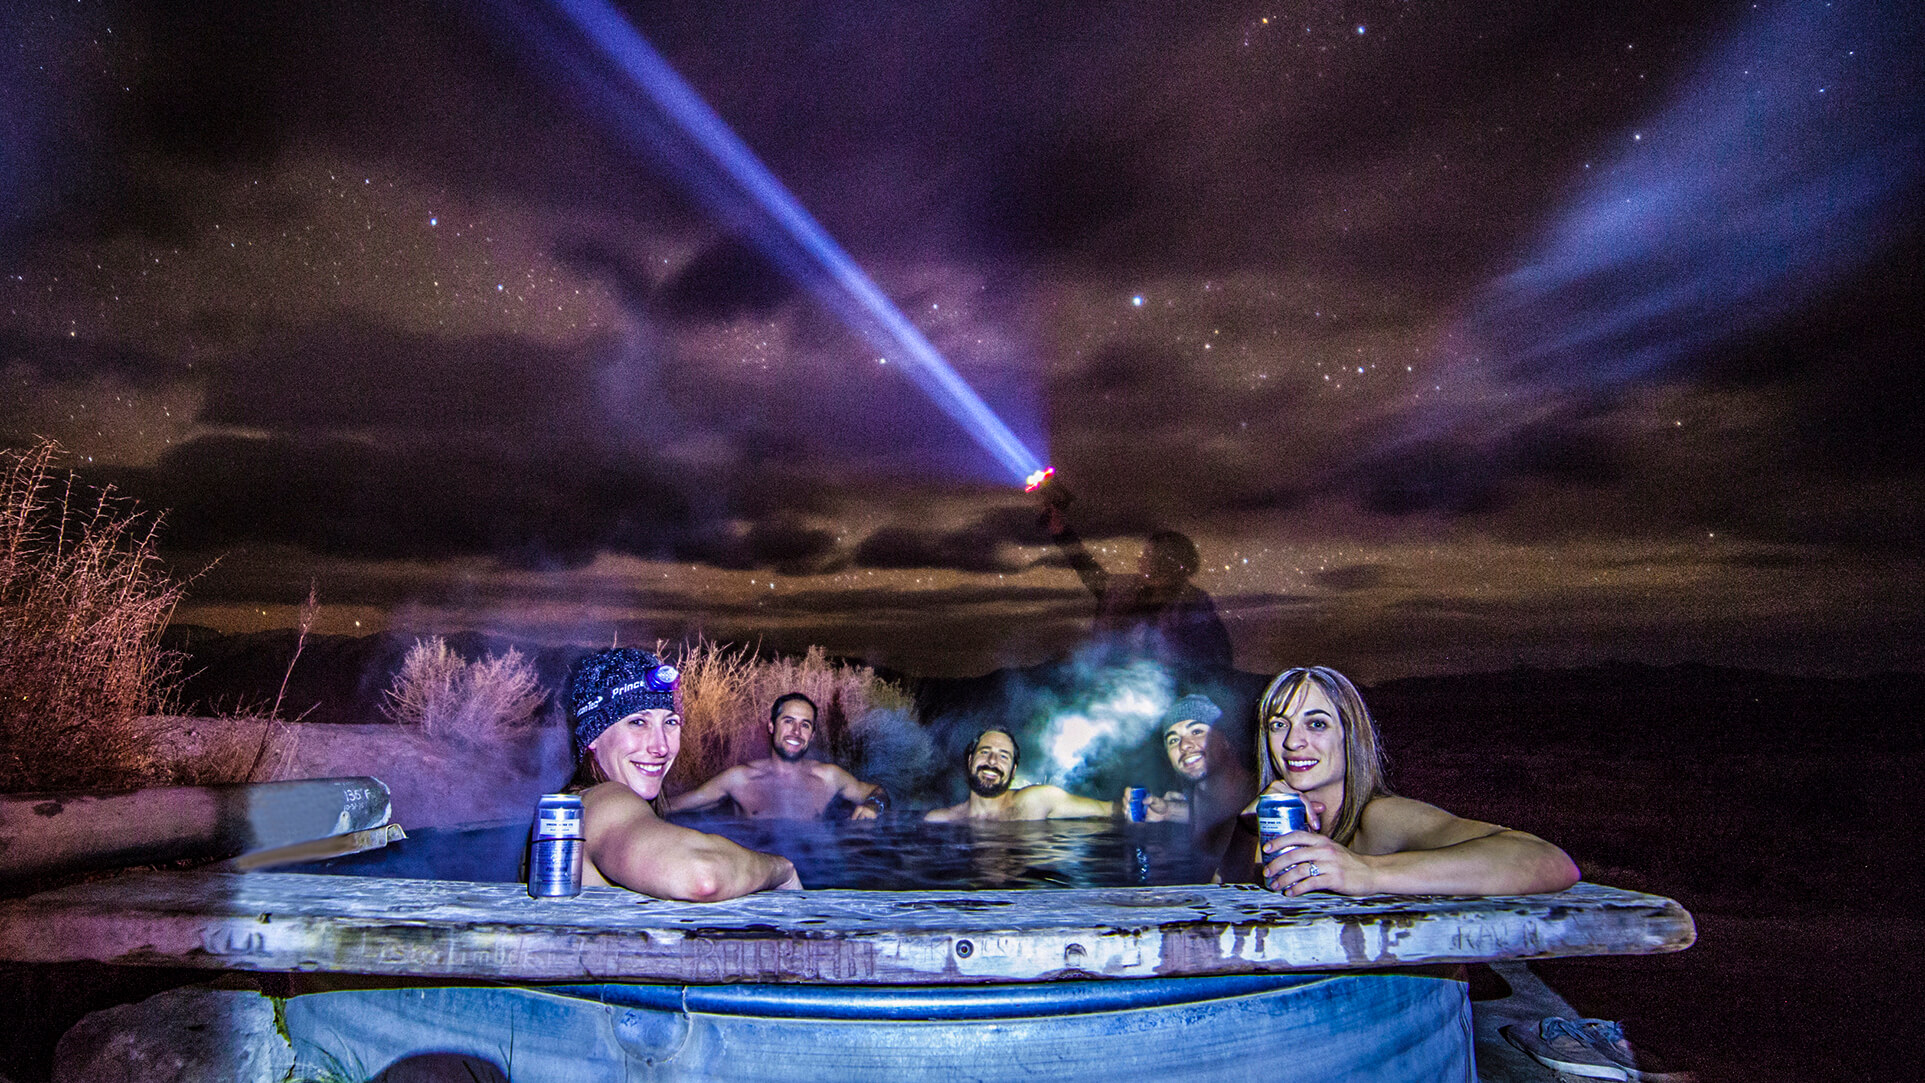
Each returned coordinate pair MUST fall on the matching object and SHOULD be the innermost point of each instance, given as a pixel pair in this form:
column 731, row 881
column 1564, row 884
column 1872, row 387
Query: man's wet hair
column 775, row 709
column 1016, row 753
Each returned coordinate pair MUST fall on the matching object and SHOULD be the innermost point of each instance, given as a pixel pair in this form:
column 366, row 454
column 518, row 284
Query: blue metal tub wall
column 1379, row 1026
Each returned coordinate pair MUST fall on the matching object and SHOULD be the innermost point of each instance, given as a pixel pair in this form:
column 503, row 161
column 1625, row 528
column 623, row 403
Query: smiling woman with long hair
column 1317, row 739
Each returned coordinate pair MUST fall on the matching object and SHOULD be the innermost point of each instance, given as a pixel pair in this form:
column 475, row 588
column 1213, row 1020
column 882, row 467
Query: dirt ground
column 1806, row 965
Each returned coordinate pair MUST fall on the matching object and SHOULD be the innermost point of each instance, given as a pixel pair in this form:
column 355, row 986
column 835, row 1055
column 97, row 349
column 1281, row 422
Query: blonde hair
column 1363, row 772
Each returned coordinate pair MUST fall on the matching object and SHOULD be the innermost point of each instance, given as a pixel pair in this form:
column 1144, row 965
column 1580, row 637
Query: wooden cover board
column 365, row 925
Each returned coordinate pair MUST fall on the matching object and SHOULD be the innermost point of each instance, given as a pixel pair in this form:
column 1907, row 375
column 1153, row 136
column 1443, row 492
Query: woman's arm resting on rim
column 633, row 847
column 1407, row 847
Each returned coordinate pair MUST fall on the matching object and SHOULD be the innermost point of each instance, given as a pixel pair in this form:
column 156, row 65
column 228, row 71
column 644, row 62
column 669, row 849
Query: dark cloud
column 1353, row 577
column 728, row 280
column 345, row 497
column 978, row 547
column 784, row 544
column 1061, row 194
column 353, row 375
column 37, row 360
column 1563, row 453
column 1432, row 479
column 601, row 258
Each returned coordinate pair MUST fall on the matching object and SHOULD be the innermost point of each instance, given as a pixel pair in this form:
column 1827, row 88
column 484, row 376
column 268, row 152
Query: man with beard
column 991, row 767
column 787, row 785
column 1216, row 782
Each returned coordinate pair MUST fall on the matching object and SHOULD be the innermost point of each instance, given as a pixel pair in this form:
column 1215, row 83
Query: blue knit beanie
column 608, row 686
column 1200, row 708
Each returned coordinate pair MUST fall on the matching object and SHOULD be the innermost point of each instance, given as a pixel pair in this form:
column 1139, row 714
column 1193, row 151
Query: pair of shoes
column 1593, row 1048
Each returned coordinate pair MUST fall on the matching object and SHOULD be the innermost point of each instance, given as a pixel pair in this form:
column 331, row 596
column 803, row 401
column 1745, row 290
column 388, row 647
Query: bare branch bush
column 449, row 696
column 83, row 600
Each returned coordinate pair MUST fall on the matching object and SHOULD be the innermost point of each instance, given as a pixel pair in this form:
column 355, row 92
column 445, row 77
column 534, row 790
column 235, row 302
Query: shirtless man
column 991, row 764
column 625, row 711
column 1216, row 784
column 786, row 785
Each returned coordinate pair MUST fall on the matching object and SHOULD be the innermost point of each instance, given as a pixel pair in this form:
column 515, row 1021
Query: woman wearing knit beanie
column 628, row 731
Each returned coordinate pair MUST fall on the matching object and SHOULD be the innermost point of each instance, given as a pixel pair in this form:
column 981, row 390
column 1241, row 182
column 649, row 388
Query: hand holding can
column 1278, row 814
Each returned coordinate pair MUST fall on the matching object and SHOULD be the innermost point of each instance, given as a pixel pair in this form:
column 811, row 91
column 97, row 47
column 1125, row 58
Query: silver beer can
column 555, row 851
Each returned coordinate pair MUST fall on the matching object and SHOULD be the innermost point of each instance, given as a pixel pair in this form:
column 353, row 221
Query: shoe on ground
column 1607, row 1037
column 1560, row 1044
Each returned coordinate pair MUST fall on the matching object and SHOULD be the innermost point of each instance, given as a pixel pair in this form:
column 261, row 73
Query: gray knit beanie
column 1200, row 708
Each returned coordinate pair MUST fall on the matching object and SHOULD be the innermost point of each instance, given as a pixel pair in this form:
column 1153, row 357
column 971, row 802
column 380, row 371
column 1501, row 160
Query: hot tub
column 1187, row 980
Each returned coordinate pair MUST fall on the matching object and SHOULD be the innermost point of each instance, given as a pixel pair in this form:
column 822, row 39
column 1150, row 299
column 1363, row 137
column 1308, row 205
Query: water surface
column 891, row 854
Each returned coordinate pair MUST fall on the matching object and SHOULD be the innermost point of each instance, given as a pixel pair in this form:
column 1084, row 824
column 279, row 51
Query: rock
column 192, row 1035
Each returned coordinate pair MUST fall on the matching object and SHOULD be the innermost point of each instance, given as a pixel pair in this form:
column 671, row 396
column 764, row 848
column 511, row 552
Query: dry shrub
column 727, row 690
column 449, row 696
column 83, row 601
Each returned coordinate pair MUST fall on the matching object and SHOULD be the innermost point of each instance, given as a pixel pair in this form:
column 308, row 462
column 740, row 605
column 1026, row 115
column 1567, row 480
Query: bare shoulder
column 612, row 799
column 611, row 809
column 829, row 772
column 1040, row 797
column 945, row 815
column 1392, row 824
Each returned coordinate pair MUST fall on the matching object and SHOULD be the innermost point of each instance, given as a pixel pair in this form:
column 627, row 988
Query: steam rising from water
column 1111, row 716
column 1773, row 174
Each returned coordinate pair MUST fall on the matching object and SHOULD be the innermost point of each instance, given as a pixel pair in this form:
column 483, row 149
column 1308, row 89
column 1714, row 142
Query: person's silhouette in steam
column 1156, row 612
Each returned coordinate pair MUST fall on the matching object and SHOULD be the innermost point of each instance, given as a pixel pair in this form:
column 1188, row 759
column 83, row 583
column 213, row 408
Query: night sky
column 1459, row 336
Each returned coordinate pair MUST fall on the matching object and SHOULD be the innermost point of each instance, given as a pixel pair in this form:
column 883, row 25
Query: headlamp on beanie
column 608, row 686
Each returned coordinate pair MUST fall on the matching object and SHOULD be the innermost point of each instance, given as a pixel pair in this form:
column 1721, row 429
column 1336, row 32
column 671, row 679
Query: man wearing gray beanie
column 1217, row 784
column 624, row 707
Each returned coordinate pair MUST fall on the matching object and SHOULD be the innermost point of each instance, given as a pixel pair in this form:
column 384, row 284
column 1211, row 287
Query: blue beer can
column 555, row 851
column 1278, row 814
column 1134, row 798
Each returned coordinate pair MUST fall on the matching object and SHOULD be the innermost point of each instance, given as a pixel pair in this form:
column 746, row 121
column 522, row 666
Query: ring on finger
column 1315, row 870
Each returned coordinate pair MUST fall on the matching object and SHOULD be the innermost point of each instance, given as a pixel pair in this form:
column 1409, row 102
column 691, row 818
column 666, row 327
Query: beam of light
column 672, row 123
column 1774, row 173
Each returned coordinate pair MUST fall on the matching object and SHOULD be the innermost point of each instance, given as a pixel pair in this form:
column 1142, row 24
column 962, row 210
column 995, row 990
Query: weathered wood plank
column 62, row 832
column 348, row 842
column 300, row 922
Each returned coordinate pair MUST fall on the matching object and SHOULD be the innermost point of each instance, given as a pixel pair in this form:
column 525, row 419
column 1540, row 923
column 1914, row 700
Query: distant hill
column 1685, row 706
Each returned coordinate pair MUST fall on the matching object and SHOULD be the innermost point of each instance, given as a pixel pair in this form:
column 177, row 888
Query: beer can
column 555, row 851
column 1278, row 814
column 1134, row 798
